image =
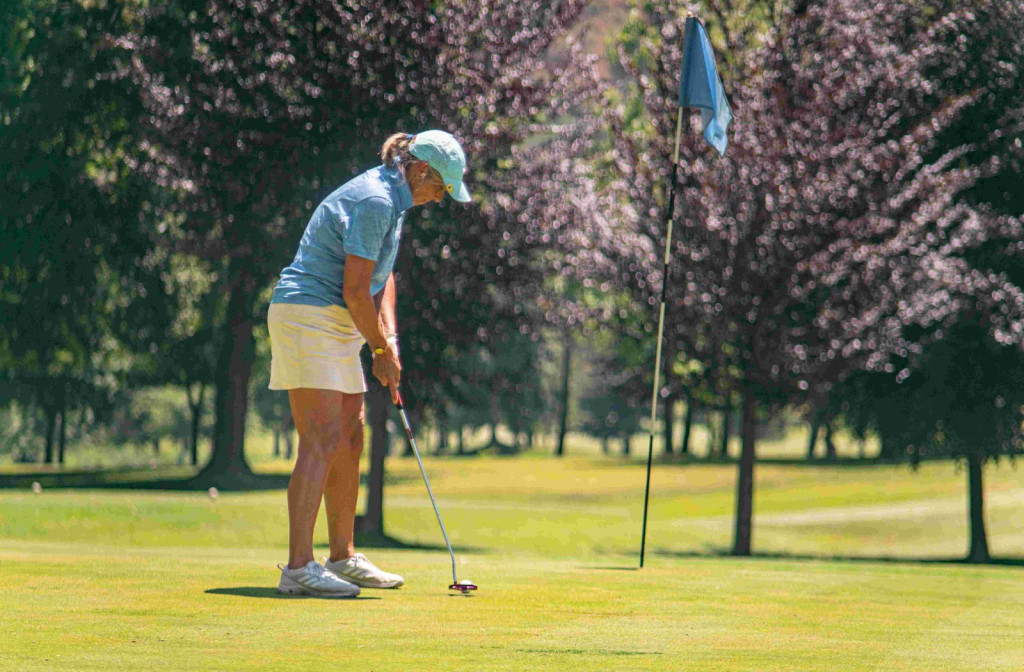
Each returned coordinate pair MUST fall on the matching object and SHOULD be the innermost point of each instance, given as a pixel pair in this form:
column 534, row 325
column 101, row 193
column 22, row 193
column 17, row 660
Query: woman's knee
column 342, row 436
column 352, row 434
column 329, row 425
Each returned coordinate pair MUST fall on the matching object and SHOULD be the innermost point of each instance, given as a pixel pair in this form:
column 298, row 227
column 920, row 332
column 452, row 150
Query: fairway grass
column 858, row 575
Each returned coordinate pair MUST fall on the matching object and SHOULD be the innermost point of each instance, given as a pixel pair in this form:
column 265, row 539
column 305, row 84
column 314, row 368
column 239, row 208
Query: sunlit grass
column 859, row 575
column 176, row 609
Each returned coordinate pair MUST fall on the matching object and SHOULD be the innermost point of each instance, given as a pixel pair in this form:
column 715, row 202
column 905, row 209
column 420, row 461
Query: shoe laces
column 324, row 575
column 360, row 559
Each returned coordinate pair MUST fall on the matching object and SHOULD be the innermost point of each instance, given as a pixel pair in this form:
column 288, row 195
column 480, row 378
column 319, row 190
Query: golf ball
column 465, row 582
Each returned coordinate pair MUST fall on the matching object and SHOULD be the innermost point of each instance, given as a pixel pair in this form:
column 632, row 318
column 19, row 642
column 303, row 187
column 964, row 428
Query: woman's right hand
column 388, row 370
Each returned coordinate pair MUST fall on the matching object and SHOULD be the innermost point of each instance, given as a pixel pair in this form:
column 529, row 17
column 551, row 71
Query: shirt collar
column 400, row 194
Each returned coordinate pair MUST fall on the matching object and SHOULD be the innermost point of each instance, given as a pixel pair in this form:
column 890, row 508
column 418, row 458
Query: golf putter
column 462, row 586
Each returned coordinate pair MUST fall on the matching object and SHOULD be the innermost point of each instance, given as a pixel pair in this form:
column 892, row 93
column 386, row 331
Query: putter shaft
column 415, row 450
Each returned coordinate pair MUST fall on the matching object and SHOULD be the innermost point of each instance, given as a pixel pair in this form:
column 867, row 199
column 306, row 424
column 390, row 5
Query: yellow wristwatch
column 379, row 351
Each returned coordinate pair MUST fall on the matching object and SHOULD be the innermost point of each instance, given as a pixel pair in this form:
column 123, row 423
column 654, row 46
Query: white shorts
column 314, row 347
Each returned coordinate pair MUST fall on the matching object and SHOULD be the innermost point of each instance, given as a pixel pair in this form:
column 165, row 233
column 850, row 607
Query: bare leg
column 342, row 488
column 319, row 421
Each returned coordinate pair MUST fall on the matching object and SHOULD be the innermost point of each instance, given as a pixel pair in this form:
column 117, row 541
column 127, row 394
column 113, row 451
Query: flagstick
column 661, row 329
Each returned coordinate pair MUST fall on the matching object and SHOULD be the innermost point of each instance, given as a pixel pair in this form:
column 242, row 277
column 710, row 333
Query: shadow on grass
column 141, row 479
column 807, row 557
column 263, row 592
column 688, row 460
column 616, row 569
column 183, row 479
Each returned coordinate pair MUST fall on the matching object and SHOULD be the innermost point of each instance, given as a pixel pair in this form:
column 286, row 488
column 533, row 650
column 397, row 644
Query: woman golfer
column 337, row 294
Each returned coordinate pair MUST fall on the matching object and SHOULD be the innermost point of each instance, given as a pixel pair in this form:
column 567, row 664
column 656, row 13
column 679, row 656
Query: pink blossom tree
column 836, row 222
column 252, row 108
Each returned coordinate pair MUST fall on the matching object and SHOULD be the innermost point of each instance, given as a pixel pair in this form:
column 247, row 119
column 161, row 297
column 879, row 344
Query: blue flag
column 700, row 86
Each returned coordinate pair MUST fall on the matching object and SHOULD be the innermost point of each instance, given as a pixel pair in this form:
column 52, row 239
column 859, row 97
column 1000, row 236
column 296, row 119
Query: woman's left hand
column 388, row 370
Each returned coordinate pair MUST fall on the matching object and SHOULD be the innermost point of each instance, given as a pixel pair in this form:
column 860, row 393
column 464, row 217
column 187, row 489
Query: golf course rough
column 137, row 579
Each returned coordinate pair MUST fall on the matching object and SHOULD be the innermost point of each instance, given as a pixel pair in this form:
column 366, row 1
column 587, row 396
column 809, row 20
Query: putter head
column 462, row 586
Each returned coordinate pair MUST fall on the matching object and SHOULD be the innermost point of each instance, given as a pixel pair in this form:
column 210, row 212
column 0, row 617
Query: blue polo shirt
column 363, row 217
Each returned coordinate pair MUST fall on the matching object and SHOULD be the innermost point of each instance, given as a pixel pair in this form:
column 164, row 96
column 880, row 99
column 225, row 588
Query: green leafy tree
column 613, row 404
column 80, row 298
column 959, row 397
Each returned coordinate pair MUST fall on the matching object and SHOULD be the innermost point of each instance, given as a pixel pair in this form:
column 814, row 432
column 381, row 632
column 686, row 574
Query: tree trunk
column 684, row 447
column 51, row 426
column 287, row 429
column 723, row 448
column 745, row 482
column 379, row 399
column 231, row 397
column 670, row 408
column 563, row 397
column 830, row 446
column 604, row 444
column 442, row 434
column 890, row 451
column 408, row 452
column 196, row 410
column 976, row 509
column 156, row 444
column 462, row 440
column 289, row 441
column 277, row 443
column 625, row 443
column 62, row 435
column 812, row 442
column 516, row 422
column 495, row 417
column 80, row 426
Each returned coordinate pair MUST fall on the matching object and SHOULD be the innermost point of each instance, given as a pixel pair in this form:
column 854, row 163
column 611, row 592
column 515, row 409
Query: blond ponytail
column 396, row 150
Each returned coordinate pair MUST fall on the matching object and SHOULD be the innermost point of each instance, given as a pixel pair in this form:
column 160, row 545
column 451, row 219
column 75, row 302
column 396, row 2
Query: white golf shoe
column 362, row 572
column 316, row 580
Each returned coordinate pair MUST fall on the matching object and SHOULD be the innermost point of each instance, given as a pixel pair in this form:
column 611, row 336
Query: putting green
column 135, row 579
